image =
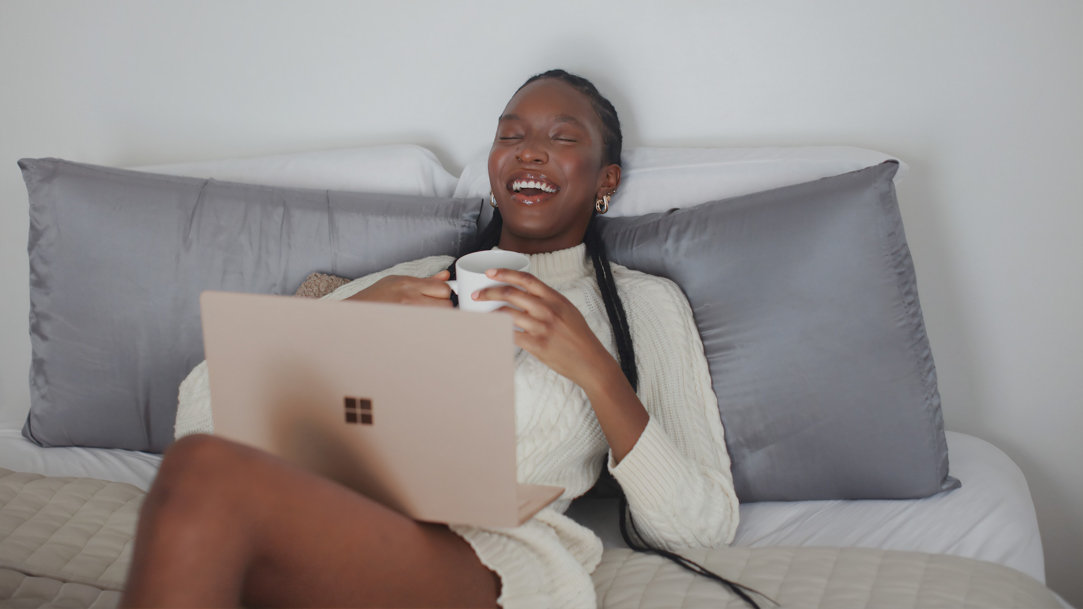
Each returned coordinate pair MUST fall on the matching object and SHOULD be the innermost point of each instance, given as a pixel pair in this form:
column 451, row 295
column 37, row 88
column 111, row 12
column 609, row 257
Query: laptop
column 411, row 406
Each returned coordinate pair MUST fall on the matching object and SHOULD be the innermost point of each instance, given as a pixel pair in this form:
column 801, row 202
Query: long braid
column 636, row 543
column 613, row 305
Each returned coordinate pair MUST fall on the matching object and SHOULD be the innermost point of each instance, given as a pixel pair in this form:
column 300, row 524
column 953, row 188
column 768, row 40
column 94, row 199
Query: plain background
column 982, row 98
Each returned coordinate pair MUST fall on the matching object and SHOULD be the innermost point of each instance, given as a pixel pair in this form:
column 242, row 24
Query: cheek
column 584, row 171
column 497, row 158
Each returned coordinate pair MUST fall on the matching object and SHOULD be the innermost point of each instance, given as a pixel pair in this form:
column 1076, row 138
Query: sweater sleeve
column 677, row 476
column 194, row 394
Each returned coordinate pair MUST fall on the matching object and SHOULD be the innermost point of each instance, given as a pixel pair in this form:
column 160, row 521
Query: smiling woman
column 228, row 525
column 548, row 166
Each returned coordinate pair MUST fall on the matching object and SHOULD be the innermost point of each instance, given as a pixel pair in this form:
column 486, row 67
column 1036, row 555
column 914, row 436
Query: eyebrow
column 560, row 118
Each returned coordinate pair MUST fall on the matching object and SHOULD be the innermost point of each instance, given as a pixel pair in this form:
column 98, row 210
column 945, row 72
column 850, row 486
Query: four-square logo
column 358, row 411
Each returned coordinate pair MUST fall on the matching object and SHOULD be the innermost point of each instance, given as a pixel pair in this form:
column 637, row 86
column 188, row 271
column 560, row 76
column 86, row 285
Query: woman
column 225, row 524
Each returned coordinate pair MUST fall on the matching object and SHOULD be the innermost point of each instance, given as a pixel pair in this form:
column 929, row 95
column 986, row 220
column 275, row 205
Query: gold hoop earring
column 492, row 199
column 602, row 205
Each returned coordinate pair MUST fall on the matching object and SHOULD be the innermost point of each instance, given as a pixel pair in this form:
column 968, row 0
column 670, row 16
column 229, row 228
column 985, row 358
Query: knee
column 196, row 459
column 198, row 473
column 193, row 503
column 197, row 448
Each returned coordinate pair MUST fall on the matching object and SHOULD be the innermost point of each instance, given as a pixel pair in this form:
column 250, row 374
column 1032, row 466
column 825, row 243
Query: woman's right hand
column 402, row 289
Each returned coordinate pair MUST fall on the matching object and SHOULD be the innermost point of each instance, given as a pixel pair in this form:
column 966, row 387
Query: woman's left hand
column 553, row 330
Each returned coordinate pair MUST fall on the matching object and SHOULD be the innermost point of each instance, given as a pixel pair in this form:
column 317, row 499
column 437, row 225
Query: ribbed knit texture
column 677, row 476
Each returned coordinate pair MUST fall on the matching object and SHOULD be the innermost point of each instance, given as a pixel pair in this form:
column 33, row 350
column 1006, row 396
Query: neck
column 535, row 246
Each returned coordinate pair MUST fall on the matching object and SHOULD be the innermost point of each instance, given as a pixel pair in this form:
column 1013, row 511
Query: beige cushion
column 318, row 285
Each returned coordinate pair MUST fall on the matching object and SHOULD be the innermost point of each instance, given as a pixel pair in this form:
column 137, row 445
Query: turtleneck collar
column 558, row 267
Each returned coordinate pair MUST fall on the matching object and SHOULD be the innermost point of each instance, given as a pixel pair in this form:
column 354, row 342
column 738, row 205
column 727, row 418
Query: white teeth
column 518, row 185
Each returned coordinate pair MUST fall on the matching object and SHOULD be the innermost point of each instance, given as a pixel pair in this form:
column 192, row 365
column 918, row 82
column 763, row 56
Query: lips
column 531, row 189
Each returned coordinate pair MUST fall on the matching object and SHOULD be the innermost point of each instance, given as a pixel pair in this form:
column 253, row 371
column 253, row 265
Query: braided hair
column 612, row 142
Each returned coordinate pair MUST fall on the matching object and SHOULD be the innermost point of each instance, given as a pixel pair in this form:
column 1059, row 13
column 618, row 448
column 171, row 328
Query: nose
column 530, row 151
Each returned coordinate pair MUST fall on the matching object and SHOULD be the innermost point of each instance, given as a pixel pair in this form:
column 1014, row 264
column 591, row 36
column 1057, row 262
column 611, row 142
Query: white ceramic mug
column 470, row 276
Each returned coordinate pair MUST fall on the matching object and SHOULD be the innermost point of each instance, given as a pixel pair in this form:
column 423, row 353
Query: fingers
column 435, row 292
column 537, row 311
column 434, row 287
column 525, row 281
column 529, row 324
column 552, row 328
column 425, row 301
column 425, row 291
column 512, row 296
column 429, row 292
column 524, row 291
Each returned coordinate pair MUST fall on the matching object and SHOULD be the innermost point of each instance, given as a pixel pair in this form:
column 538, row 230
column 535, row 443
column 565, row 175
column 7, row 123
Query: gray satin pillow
column 118, row 259
column 807, row 304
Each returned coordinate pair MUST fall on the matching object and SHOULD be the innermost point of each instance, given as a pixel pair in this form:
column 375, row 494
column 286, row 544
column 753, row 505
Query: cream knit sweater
column 677, row 476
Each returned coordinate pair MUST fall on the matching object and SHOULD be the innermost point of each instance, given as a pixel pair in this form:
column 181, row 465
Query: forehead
column 551, row 99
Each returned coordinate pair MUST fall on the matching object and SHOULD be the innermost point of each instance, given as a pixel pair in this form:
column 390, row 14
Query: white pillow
column 402, row 169
column 657, row 179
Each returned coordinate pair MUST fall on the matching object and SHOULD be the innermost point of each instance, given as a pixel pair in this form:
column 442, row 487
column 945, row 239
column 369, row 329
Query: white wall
column 981, row 97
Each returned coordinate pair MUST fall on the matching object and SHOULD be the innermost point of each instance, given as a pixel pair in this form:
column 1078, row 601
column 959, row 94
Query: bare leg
column 224, row 524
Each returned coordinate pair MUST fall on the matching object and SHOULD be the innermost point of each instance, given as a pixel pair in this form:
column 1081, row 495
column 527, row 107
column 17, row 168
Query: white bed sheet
column 991, row 517
column 21, row 455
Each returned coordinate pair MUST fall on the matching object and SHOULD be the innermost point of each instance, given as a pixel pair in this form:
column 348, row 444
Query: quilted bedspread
column 66, row 542
column 795, row 577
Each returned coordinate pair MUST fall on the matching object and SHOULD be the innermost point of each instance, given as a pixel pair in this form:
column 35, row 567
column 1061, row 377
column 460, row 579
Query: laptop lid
column 412, row 406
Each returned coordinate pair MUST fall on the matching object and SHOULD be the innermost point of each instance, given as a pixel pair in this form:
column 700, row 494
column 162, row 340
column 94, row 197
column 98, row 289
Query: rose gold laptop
column 412, row 406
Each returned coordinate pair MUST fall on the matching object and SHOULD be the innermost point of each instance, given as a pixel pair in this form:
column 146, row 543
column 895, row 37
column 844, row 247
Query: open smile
column 532, row 189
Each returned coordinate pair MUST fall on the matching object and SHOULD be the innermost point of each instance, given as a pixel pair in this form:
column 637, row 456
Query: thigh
column 317, row 543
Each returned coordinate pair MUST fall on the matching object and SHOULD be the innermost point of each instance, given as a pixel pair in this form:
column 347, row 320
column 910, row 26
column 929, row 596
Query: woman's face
column 545, row 167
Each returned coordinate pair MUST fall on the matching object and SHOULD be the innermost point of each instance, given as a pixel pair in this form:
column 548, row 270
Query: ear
column 610, row 180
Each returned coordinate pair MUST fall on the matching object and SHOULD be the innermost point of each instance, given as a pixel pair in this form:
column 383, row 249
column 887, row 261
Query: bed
column 853, row 494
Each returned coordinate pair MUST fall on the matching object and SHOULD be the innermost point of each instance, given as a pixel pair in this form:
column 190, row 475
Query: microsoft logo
column 358, row 411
